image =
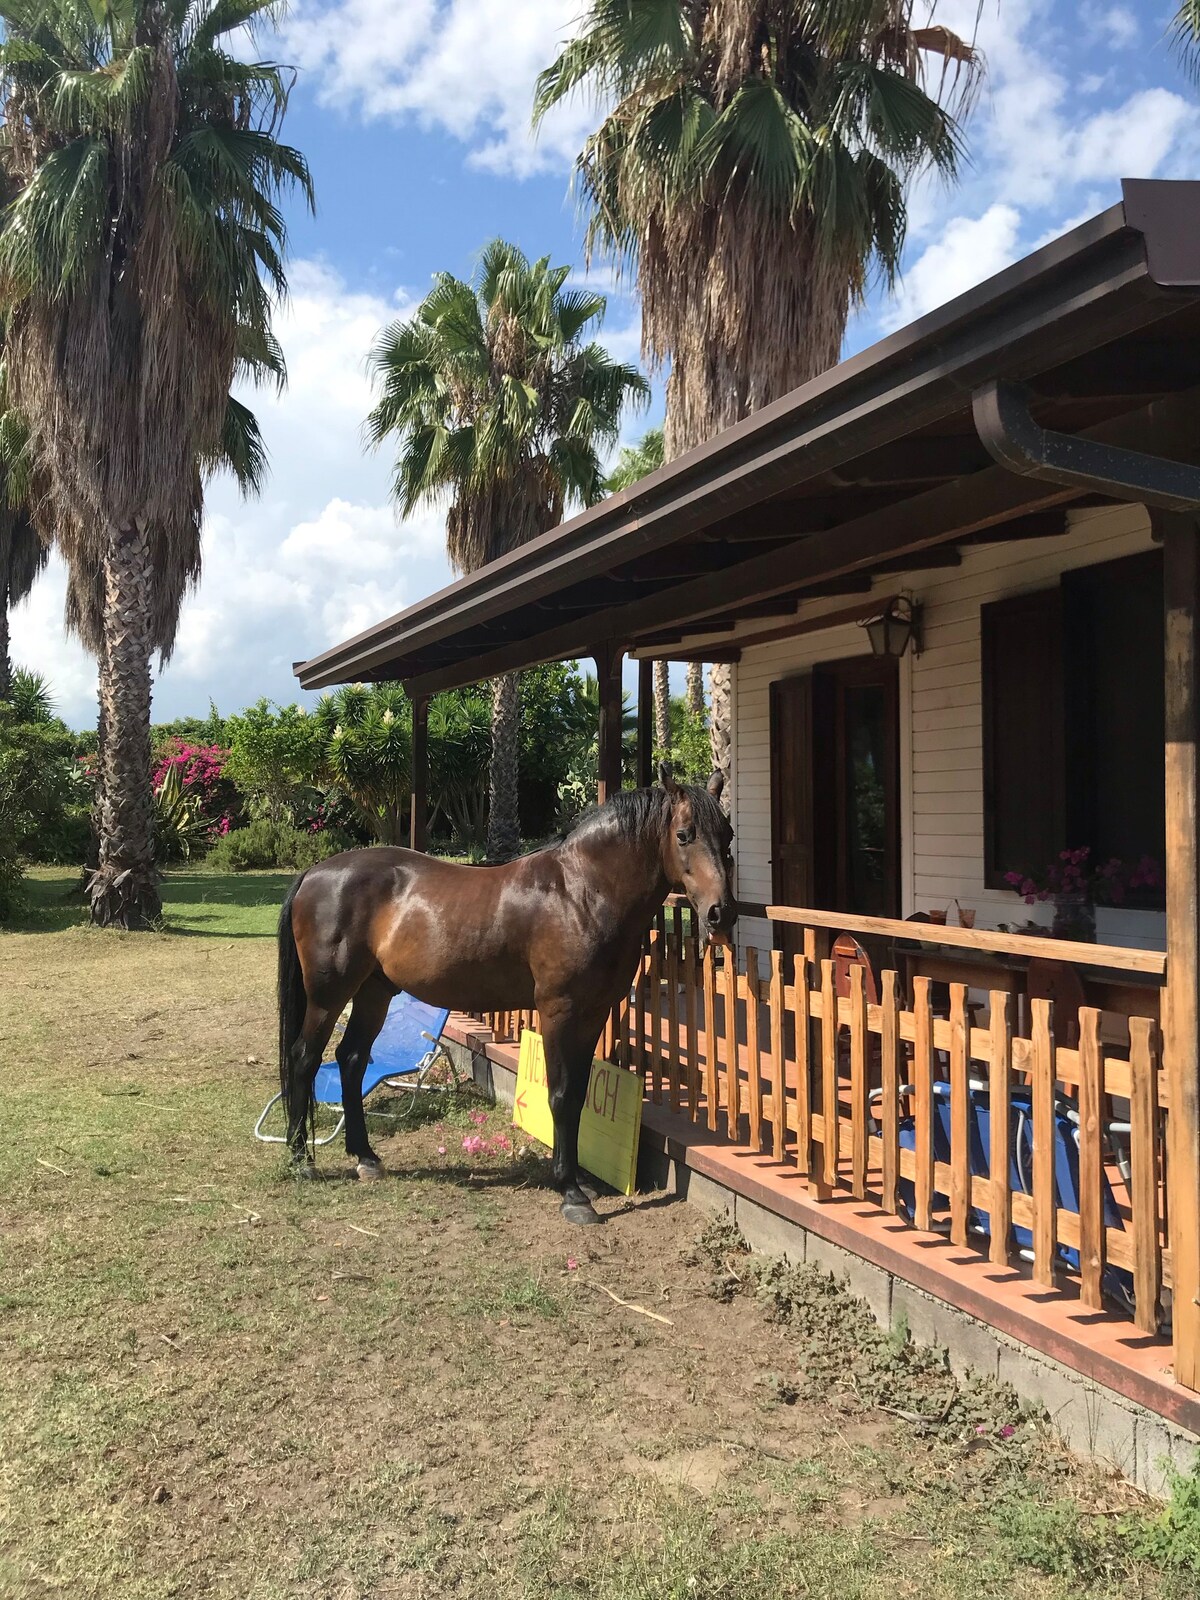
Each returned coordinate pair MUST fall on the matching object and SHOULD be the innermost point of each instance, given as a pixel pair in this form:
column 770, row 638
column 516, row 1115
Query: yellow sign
column 612, row 1114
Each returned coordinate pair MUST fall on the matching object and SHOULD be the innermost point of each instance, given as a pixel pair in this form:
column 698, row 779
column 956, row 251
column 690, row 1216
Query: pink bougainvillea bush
column 1074, row 873
column 201, row 770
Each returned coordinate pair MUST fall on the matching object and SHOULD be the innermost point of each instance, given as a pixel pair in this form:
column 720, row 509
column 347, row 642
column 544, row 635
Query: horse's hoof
column 370, row 1171
column 581, row 1213
column 305, row 1170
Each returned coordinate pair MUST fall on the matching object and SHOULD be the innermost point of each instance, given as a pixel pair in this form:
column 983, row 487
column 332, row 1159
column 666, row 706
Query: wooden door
column 856, row 777
column 791, row 801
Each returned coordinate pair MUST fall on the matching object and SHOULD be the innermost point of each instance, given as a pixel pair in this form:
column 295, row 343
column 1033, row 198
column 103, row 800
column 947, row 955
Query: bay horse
column 561, row 929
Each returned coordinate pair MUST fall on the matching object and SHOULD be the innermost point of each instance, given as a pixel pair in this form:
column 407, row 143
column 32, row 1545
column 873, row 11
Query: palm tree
column 637, row 461
column 1186, row 32
column 499, row 407
column 139, row 264
column 22, row 557
column 751, row 165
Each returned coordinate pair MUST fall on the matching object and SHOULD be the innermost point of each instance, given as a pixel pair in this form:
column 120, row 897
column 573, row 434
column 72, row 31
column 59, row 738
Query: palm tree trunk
column 662, row 706
column 5, row 661
column 124, row 888
column 720, row 723
column 695, row 688
column 92, row 860
column 504, row 823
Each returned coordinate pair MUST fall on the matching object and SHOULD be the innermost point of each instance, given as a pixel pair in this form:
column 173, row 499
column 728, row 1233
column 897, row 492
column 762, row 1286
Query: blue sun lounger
column 402, row 1057
column 1117, row 1283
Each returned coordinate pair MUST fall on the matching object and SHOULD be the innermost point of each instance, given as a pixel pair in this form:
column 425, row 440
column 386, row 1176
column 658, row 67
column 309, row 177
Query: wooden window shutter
column 1024, row 754
column 792, row 791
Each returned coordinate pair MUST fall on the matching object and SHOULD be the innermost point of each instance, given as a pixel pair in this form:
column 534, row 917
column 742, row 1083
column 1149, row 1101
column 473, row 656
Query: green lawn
column 219, row 1383
column 222, row 905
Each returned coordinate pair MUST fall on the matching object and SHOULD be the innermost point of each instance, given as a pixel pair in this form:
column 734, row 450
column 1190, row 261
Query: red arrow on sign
column 520, row 1101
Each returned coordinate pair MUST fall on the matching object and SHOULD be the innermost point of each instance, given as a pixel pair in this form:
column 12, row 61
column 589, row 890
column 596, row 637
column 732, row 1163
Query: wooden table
column 1117, row 994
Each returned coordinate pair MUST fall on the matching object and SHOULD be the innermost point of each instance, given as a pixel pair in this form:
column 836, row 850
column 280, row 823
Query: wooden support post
column 608, row 659
column 1181, row 1000
column 645, row 725
column 419, row 806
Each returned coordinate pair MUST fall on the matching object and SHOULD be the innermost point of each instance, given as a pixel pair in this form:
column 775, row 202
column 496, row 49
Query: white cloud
column 465, row 66
column 318, row 558
column 1049, row 143
column 1115, row 25
column 968, row 250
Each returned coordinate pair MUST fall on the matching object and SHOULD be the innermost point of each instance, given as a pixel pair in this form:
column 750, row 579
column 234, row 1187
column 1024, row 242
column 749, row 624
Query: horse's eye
column 684, row 836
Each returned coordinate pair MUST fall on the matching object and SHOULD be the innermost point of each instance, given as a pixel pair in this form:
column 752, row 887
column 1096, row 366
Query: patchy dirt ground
column 218, row 1382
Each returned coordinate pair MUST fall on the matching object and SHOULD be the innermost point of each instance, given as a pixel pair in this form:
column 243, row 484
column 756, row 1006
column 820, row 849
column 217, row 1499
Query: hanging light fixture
column 896, row 628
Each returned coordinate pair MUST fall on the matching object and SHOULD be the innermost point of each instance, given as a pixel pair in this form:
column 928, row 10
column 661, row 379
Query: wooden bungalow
column 958, row 578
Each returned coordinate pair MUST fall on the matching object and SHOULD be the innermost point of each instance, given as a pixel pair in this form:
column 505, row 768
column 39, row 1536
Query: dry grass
column 219, row 1383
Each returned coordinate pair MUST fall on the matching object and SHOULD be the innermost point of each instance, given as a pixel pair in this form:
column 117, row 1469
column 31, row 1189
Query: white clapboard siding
column 941, row 733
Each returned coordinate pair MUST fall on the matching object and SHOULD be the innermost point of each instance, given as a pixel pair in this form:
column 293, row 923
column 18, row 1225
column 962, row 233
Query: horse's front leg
column 568, row 1069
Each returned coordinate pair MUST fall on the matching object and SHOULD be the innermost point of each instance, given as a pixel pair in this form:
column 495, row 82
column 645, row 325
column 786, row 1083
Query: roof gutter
column 1007, row 430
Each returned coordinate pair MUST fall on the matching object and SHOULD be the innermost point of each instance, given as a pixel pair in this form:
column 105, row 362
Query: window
column 1073, row 718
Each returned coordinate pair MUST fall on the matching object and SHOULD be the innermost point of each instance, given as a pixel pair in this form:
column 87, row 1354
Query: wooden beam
column 1147, row 367
column 419, row 803
column 924, row 458
column 788, row 630
column 946, row 513
column 1089, row 289
column 645, row 724
column 923, row 561
column 1033, row 525
column 1181, row 1002
column 608, row 657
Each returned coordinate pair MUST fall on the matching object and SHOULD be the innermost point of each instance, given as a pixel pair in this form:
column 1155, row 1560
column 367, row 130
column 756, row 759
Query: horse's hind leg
column 353, row 1054
column 306, row 1058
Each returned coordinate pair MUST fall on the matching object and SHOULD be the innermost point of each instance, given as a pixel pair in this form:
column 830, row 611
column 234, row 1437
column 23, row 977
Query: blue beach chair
column 403, row 1056
column 1116, row 1283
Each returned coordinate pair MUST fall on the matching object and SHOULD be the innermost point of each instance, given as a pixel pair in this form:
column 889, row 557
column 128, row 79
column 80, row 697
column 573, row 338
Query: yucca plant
column 500, row 406
column 139, row 263
column 750, row 165
column 179, row 823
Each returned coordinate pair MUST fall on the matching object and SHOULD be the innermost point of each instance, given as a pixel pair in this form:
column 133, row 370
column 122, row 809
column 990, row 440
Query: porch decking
column 891, row 1186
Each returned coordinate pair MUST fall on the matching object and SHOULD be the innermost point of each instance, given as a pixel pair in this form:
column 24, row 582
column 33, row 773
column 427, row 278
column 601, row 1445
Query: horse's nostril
column 714, row 915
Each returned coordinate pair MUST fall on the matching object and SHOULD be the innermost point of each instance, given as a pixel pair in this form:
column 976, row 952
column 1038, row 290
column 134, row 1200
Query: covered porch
column 1007, row 1120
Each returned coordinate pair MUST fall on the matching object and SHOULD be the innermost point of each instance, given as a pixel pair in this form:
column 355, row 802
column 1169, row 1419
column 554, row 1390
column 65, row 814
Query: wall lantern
column 895, row 629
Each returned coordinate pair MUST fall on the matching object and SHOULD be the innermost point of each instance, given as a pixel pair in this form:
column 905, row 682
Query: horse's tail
column 293, row 1001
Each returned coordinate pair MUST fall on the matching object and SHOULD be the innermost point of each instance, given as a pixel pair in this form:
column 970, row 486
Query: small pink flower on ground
column 1007, row 1431
column 981, row 1428
column 474, row 1145
column 572, row 1264
column 441, row 1149
column 479, row 1118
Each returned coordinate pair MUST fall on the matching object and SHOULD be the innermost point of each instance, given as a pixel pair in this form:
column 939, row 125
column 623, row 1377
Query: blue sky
column 414, row 116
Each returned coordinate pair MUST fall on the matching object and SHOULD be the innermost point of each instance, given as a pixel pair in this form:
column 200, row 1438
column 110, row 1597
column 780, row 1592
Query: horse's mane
column 635, row 813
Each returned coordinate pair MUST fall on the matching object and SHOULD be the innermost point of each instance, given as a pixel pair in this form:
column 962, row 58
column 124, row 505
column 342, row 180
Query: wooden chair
column 846, row 953
column 1059, row 983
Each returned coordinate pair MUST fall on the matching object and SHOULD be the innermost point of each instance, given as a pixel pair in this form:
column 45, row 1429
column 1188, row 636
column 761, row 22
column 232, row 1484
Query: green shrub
column 1171, row 1538
column 265, row 844
column 64, row 838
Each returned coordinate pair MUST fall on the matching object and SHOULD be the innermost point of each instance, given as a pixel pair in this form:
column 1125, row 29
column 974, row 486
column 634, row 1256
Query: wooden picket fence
column 849, row 1093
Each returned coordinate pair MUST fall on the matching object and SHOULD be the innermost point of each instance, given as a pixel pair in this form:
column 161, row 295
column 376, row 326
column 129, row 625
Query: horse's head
column 697, row 852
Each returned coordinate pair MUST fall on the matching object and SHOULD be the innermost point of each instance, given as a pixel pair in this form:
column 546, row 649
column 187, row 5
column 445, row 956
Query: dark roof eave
column 1137, row 247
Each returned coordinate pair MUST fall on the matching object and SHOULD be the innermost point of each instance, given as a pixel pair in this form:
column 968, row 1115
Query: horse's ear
column 666, row 778
column 716, row 784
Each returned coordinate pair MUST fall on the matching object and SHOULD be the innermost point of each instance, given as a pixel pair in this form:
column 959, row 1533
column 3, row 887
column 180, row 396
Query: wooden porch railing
column 959, row 1129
